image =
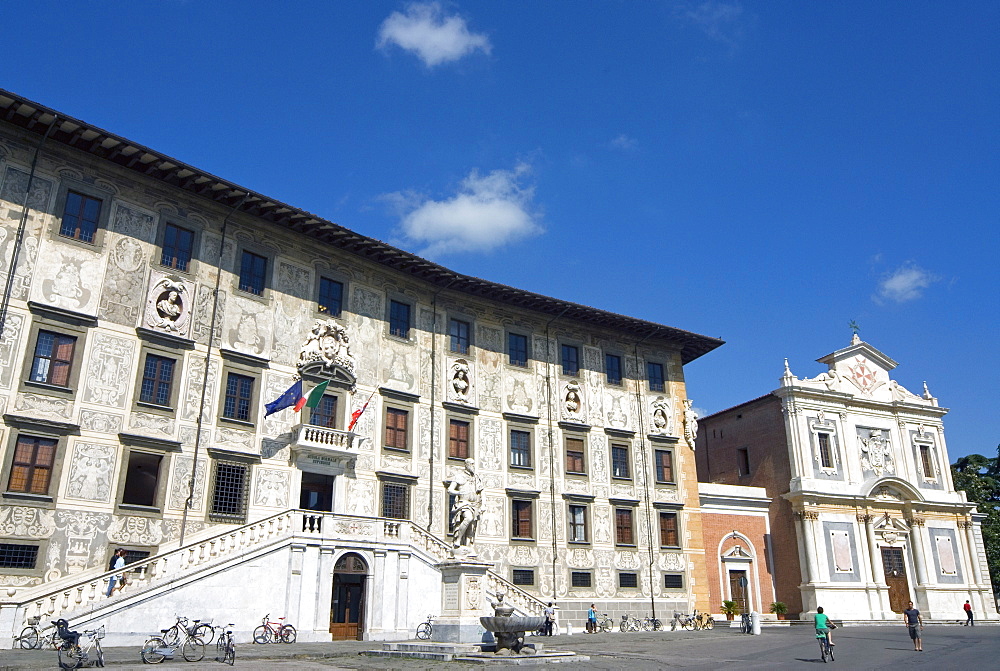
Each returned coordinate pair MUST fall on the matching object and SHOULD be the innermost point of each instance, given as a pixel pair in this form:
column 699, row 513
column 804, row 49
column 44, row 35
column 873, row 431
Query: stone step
column 432, row 646
column 439, row 656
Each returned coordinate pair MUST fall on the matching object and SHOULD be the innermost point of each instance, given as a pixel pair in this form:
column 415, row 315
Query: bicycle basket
column 99, row 632
column 34, row 620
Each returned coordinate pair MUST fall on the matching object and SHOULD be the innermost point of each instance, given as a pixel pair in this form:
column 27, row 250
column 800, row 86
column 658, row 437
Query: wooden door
column 347, row 614
column 895, row 578
column 738, row 589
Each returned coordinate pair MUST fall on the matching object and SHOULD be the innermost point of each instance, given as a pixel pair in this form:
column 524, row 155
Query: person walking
column 592, row 620
column 912, row 620
column 550, row 618
column 969, row 622
column 117, row 580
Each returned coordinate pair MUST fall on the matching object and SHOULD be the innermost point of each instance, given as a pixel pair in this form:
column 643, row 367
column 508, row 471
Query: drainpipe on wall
column 645, row 473
column 434, row 381
column 208, row 354
column 552, row 448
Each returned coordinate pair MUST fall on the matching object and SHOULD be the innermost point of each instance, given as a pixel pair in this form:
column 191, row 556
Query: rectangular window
column 395, row 501
column 623, row 526
column 331, row 296
column 654, row 373
column 521, row 526
column 178, row 244
column 578, row 524
column 628, row 580
column 574, row 456
column 80, row 217
column 53, row 358
column 399, row 319
column 141, row 478
column 613, row 368
column 619, row 462
column 664, row 466
column 673, row 581
column 157, row 380
column 459, row 332
column 743, row 460
column 669, row 538
column 926, row 462
column 581, row 579
column 458, row 439
column 31, row 468
column 396, row 425
column 520, row 449
column 229, row 494
column 825, row 456
column 239, row 397
column 524, row 577
column 325, row 413
column 253, row 273
column 570, row 359
column 18, row 556
column 517, row 349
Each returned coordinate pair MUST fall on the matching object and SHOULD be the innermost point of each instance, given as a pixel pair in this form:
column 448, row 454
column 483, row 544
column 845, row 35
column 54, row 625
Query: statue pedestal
column 463, row 601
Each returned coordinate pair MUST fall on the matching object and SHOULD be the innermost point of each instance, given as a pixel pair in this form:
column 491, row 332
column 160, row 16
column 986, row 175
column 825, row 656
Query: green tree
column 979, row 478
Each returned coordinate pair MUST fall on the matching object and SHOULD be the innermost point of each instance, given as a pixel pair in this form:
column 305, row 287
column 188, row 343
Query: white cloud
column 488, row 211
column 904, row 284
column 721, row 21
column 435, row 38
column 624, row 143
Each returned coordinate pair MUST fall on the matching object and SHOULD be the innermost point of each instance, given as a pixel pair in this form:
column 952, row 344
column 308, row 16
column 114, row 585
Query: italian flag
column 313, row 399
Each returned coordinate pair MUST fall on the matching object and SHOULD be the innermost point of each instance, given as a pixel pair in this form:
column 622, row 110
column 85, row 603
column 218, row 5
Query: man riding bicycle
column 823, row 625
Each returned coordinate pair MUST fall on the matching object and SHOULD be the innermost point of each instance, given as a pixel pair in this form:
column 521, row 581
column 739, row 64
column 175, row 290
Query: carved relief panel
column 169, row 300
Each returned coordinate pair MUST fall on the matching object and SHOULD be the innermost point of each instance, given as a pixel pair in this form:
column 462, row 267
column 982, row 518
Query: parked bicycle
column 650, row 624
column 71, row 654
column 158, row 648
column 425, row 629
column 198, row 628
column 225, row 646
column 605, row 623
column 33, row 637
column 629, row 623
column 274, row 632
column 683, row 621
column 746, row 624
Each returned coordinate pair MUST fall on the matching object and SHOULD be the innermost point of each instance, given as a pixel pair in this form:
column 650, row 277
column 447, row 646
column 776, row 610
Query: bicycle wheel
column 193, row 649
column 647, row 624
column 262, row 635
column 710, row 624
column 172, row 636
column 822, row 650
column 70, row 657
column 657, row 625
column 423, row 631
column 607, row 625
column 99, row 658
column 230, row 651
column 151, row 650
column 28, row 638
column 205, row 633
column 687, row 624
column 287, row 634
column 673, row 624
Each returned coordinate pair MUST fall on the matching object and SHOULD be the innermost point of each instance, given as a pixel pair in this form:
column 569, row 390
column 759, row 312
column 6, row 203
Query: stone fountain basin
column 512, row 624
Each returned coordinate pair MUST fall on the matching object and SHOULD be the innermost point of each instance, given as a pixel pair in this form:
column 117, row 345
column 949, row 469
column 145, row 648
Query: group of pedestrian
column 118, row 580
column 912, row 620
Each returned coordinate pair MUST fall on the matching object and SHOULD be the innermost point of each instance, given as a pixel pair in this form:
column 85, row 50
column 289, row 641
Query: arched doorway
column 347, row 610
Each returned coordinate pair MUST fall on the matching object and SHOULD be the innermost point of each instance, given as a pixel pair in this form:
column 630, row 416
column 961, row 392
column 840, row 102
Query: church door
column 738, row 584
column 347, row 608
column 895, row 578
column 316, row 492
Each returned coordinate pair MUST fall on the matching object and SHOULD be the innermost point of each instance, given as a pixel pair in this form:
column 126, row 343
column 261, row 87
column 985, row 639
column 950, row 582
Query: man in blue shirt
column 912, row 619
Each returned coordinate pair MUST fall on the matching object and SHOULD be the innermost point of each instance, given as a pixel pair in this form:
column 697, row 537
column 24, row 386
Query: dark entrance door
column 738, row 588
column 317, row 492
column 347, row 608
column 895, row 578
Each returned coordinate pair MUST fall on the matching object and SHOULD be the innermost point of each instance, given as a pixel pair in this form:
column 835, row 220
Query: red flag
column 356, row 415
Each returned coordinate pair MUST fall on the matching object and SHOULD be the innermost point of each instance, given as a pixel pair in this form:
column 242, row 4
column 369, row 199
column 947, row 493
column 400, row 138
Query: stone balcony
column 323, row 447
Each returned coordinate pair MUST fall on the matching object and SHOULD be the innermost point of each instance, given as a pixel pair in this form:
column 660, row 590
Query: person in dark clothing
column 550, row 618
column 912, row 620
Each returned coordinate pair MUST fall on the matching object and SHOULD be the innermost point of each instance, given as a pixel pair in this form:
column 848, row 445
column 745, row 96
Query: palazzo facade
column 863, row 514
column 152, row 310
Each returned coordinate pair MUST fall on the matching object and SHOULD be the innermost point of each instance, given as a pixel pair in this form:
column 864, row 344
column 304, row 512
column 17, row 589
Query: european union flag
column 286, row 400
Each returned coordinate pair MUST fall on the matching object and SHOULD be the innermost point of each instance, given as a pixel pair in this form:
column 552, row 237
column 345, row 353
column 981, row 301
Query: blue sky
column 761, row 172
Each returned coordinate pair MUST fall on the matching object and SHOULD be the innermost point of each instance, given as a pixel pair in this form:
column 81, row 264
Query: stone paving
column 876, row 647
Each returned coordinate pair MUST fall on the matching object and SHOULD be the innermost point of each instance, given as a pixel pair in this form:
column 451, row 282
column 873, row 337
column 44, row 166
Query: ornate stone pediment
column 326, row 353
column 736, row 552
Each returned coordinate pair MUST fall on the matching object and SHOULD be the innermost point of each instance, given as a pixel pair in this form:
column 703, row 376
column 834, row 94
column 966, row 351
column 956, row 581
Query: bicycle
column 425, row 629
column 650, row 624
column 71, row 655
column 605, row 623
column 32, row 637
column 746, row 625
column 157, row 648
column 274, row 632
column 199, row 629
column 225, row 646
column 629, row 623
column 684, row 621
column 825, row 647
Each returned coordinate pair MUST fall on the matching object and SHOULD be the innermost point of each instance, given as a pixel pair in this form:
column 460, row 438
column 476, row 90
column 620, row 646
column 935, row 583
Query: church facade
column 152, row 310
column 863, row 513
